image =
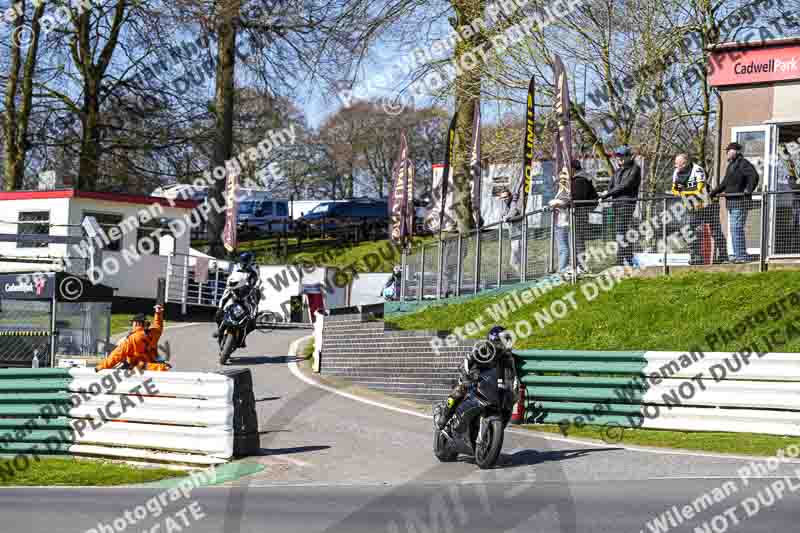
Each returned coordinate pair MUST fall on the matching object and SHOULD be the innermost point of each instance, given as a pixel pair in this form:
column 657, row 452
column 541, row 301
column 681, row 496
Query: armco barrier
column 662, row 390
column 176, row 417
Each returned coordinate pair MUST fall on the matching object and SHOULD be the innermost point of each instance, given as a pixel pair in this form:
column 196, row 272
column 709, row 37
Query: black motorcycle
column 478, row 424
column 233, row 328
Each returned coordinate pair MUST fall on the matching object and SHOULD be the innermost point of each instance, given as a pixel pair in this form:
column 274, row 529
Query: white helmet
column 237, row 280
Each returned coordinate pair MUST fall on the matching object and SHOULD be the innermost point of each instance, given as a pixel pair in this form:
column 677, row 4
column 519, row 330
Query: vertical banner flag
column 398, row 200
column 524, row 186
column 450, row 144
column 475, row 165
column 562, row 107
column 229, row 237
column 411, row 213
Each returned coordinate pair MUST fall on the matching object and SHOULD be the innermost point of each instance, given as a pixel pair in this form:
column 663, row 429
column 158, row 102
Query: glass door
column 758, row 148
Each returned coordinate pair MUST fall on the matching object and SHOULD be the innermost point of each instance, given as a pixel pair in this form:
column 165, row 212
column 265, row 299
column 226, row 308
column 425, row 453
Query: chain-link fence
column 659, row 231
column 25, row 331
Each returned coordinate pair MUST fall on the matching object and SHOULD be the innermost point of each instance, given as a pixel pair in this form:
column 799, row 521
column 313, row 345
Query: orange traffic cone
column 518, row 415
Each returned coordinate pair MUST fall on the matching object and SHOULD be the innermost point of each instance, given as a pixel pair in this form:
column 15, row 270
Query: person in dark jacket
column 624, row 190
column 741, row 179
column 585, row 197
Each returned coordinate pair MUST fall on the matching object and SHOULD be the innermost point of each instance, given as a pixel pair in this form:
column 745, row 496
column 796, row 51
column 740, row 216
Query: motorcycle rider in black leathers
column 470, row 373
column 246, row 265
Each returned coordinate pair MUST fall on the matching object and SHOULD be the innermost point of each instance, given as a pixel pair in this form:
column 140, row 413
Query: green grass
column 665, row 313
column 120, row 322
column 71, row 472
column 734, row 443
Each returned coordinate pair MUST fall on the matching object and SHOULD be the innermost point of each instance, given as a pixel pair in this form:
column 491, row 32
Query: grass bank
column 665, row 313
column 84, row 472
column 712, row 442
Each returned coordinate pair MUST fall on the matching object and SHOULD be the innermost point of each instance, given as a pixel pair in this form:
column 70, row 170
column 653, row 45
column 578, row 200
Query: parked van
column 262, row 215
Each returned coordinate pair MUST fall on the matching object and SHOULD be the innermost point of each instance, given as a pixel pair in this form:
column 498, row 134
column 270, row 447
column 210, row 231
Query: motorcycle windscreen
column 487, row 386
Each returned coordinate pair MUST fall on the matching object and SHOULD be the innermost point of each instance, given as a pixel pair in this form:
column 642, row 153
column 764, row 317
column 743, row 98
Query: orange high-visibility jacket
column 139, row 349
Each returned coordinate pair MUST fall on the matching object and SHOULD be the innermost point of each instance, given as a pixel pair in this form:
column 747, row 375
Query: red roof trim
column 136, row 199
column 36, row 195
column 106, row 196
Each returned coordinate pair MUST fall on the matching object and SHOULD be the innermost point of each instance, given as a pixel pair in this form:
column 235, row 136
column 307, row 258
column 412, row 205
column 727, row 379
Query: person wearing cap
column 624, row 190
column 585, row 196
column 689, row 183
column 741, row 179
column 140, row 348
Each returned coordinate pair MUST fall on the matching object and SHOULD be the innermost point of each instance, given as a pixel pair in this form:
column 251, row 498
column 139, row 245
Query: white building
column 60, row 213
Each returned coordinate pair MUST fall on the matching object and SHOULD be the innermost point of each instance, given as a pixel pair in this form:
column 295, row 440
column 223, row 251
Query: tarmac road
column 336, row 464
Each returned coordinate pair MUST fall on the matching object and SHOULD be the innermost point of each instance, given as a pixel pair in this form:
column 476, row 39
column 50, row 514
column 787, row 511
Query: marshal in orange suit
column 140, row 348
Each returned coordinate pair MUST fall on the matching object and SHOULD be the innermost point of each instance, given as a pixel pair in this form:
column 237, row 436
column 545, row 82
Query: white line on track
column 293, row 368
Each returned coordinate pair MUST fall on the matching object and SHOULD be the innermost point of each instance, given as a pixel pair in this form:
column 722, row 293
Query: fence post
column 440, row 267
column 762, row 266
column 573, row 245
column 524, row 254
column 216, row 283
column 477, row 261
column 169, row 276
column 459, row 264
column 499, row 255
column 664, row 234
column 185, row 294
column 551, row 267
column 403, row 274
column 421, row 288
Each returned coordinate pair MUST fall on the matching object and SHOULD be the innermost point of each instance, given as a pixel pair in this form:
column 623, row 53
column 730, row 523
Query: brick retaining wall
column 400, row 363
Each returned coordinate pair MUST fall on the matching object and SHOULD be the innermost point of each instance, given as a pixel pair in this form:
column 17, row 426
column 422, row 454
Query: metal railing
column 183, row 287
column 658, row 231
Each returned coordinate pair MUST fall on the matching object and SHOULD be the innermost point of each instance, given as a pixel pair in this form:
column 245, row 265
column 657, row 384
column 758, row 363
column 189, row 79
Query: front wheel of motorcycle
column 440, row 448
column 227, row 347
column 487, row 453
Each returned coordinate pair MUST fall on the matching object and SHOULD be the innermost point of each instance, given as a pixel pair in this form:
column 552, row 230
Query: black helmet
column 246, row 259
column 494, row 333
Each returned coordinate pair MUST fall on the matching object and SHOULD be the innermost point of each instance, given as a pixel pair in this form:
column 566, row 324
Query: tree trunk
column 90, row 116
column 223, row 117
column 16, row 122
column 468, row 91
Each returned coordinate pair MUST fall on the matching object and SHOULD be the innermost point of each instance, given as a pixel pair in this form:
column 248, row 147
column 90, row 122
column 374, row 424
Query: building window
column 282, row 210
column 148, row 239
column 33, row 223
column 110, row 224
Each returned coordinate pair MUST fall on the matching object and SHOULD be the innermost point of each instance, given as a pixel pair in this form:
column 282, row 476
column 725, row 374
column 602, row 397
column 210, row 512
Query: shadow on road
column 533, row 457
column 285, row 451
column 263, row 360
column 267, row 399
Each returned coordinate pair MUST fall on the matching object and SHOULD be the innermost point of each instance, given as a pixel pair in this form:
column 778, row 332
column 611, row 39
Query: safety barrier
column 173, row 417
column 717, row 391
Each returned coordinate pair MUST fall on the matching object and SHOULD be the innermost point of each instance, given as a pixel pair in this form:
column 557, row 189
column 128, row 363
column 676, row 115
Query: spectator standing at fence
column 624, row 190
column 689, row 183
column 511, row 214
column 786, row 228
column 585, row 197
column 741, row 179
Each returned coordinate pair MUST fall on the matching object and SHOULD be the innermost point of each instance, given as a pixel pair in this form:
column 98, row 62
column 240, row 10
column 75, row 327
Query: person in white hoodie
column 584, row 197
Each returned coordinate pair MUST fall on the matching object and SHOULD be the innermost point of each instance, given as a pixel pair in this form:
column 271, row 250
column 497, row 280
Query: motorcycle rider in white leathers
column 246, row 266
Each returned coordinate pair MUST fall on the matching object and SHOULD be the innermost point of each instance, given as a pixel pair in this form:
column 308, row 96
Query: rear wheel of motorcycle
column 486, row 456
column 228, row 346
column 441, row 450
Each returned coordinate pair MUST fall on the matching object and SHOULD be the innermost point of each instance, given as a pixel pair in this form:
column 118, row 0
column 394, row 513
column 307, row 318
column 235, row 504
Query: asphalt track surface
column 334, row 464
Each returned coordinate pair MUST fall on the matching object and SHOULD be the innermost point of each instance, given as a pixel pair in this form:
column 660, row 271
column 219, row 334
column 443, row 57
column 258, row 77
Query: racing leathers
column 469, row 374
column 252, row 300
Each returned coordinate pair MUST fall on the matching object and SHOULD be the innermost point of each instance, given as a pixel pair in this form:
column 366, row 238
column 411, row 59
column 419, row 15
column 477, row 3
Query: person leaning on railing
column 689, row 182
column 624, row 190
column 741, row 179
column 140, row 348
column 584, row 193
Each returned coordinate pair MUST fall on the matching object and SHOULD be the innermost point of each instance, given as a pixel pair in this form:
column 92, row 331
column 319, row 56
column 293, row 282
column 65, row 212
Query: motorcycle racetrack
column 337, row 463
